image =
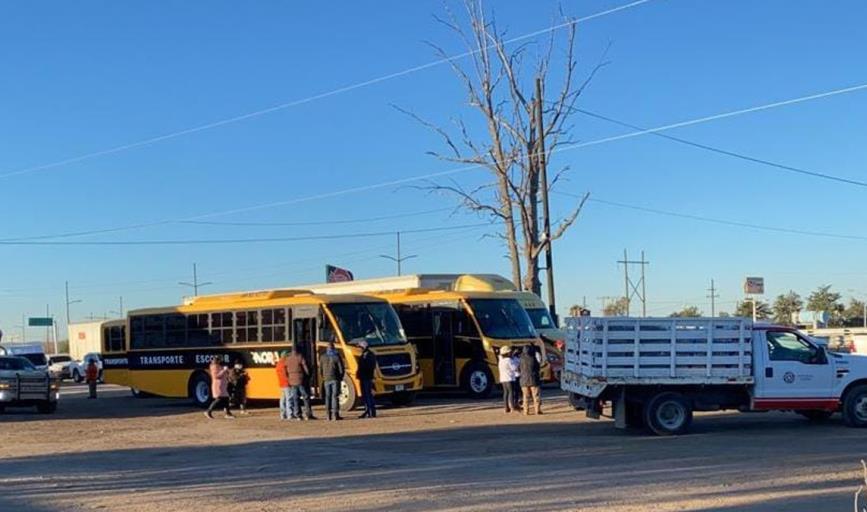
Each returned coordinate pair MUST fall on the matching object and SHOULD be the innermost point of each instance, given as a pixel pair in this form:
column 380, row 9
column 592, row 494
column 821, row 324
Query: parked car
column 23, row 385
column 78, row 370
column 58, row 365
column 31, row 351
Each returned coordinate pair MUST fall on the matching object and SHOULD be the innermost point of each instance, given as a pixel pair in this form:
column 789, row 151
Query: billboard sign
column 754, row 286
column 337, row 275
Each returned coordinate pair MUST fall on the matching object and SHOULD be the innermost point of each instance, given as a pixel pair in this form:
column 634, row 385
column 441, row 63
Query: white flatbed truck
column 654, row 372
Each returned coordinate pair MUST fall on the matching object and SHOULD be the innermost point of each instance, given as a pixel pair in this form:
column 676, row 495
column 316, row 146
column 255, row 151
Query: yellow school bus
column 456, row 322
column 169, row 349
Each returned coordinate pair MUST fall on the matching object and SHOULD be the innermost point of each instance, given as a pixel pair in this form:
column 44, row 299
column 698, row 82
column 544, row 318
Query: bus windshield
column 502, row 318
column 541, row 318
column 376, row 323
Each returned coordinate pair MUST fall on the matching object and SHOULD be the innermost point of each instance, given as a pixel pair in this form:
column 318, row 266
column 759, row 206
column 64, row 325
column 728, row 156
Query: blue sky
column 89, row 76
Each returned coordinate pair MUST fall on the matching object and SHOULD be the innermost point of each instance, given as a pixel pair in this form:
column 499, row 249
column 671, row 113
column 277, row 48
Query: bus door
column 443, row 346
column 304, row 341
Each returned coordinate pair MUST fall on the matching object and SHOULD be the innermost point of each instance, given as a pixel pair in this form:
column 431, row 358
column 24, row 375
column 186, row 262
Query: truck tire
column 814, row 415
column 577, row 401
column 855, row 407
column 402, row 398
column 349, row 398
column 668, row 414
column 46, row 407
column 200, row 389
column 477, row 380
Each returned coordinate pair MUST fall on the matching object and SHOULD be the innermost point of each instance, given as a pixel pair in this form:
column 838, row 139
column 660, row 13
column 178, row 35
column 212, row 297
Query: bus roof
column 256, row 299
column 459, row 283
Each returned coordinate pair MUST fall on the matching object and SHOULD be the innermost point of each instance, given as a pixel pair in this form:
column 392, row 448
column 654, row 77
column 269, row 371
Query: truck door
column 791, row 372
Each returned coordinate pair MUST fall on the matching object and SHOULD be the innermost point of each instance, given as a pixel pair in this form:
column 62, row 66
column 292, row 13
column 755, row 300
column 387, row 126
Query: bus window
column 274, row 325
column 502, row 318
column 540, row 318
column 197, row 330
column 418, row 325
column 375, row 323
column 176, row 330
column 222, row 327
column 247, row 326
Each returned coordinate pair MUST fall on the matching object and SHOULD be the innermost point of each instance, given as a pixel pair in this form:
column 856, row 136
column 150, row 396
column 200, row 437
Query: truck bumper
column 581, row 385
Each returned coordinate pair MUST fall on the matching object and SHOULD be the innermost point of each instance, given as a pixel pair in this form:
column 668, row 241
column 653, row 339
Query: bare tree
column 522, row 130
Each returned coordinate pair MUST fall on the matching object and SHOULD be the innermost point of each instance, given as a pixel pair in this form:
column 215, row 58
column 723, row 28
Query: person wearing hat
column 283, row 381
column 365, row 373
column 508, row 373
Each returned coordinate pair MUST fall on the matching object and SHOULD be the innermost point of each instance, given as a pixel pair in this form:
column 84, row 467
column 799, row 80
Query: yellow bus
column 456, row 322
column 169, row 349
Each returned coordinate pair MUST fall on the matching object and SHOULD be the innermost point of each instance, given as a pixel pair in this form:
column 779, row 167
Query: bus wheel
column 478, row 380
column 348, row 396
column 402, row 398
column 200, row 389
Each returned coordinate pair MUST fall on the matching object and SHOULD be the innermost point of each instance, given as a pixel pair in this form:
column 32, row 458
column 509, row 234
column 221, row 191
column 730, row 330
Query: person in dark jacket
column 365, row 374
column 296, row 374
column 332, row 375
column 238, row 379
column 530, row 379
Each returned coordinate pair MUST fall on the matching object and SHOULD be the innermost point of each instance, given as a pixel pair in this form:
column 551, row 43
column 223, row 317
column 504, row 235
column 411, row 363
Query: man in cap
column 366, row 372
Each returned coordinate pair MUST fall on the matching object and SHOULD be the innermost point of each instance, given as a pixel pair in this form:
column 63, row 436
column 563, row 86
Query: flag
column 337, row 275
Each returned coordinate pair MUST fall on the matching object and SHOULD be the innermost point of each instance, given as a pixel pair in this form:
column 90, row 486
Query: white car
column 78, row 370
column 58, row 365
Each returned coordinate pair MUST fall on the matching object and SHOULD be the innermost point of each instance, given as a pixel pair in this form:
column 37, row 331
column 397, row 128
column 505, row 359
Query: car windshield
column 36, row 359
column 15, row 363
column 376, row 323
column 541, row 318
column 502, row 318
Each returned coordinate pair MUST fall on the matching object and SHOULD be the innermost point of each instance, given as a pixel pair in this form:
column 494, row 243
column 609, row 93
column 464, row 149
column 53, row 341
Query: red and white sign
column 337, row 275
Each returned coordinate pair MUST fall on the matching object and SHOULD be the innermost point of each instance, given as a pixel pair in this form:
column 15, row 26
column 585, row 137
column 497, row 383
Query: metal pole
column 195, row 281
column 546, row 216
column 865, row 315
column 23, row 327
column 626, row 279
column 121, row 306
column 398, row 253
column 754, row 309
column 66, row 285
column 56, row 351
column 643, row 289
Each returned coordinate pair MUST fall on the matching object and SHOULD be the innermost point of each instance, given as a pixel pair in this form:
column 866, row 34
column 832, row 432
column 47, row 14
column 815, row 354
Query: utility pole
column 195, row 285
column 546, row 211
column 399, row 259
column 713, row 297
column 121, row 306
column 633, row 288
column 69, row 302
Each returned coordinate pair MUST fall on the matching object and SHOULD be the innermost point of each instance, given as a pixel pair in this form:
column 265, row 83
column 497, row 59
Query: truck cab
column 22, row 385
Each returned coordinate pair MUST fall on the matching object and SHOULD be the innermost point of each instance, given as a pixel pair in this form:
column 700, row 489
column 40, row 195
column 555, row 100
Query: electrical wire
column 727, row 152
column 310, row 99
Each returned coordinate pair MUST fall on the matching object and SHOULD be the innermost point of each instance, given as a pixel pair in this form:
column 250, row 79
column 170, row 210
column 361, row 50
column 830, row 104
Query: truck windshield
column 376, row 323
column 15, row 363
column 502, row 318
column 36, row 359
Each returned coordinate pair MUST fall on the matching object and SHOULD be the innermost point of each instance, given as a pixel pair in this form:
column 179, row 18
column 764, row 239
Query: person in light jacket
column 508, row 373
column 531, row 379
column 219, row 388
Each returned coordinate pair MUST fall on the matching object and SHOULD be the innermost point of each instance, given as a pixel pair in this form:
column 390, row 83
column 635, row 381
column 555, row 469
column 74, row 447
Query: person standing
column 508, row 374
column 285, row 411
column 531, row 380
column 219, row 388
column 238, row 379
column 366, row 372
column 332, row 376
column 296, row 373
column 91, row 375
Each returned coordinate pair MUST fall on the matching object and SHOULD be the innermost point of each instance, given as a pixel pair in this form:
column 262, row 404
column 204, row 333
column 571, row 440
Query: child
column 238, row 380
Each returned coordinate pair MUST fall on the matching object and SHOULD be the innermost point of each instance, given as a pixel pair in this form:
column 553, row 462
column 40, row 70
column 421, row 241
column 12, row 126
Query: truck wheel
column 200, row 389
column 813, row 415
column 668, row 414
column 349, row 398
column 76, row 377
column 635, row 415
column 478, row 380
column 402, row 398
column 855, row 407
column 577, row 401
column 46, row 407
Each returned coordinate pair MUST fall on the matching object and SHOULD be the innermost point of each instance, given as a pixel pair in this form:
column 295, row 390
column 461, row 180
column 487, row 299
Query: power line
column 565, row 147
column 721, row 221
column 315, row 97
column 242, row 240
column 726, row 152
column 318, row 223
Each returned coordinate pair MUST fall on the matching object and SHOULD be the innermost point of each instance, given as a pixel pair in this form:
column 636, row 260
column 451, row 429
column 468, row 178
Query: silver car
column 22, row 385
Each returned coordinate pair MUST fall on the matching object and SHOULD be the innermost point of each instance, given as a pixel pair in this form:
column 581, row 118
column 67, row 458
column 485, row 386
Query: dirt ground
column 444, row 453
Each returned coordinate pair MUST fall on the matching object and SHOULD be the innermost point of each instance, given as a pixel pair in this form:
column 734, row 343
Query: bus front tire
column 349, row 398
column 478, row 380
column 200, row 389
column 402, row 398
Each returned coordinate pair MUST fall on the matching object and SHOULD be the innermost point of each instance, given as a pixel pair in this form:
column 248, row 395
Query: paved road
column 444, row 453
